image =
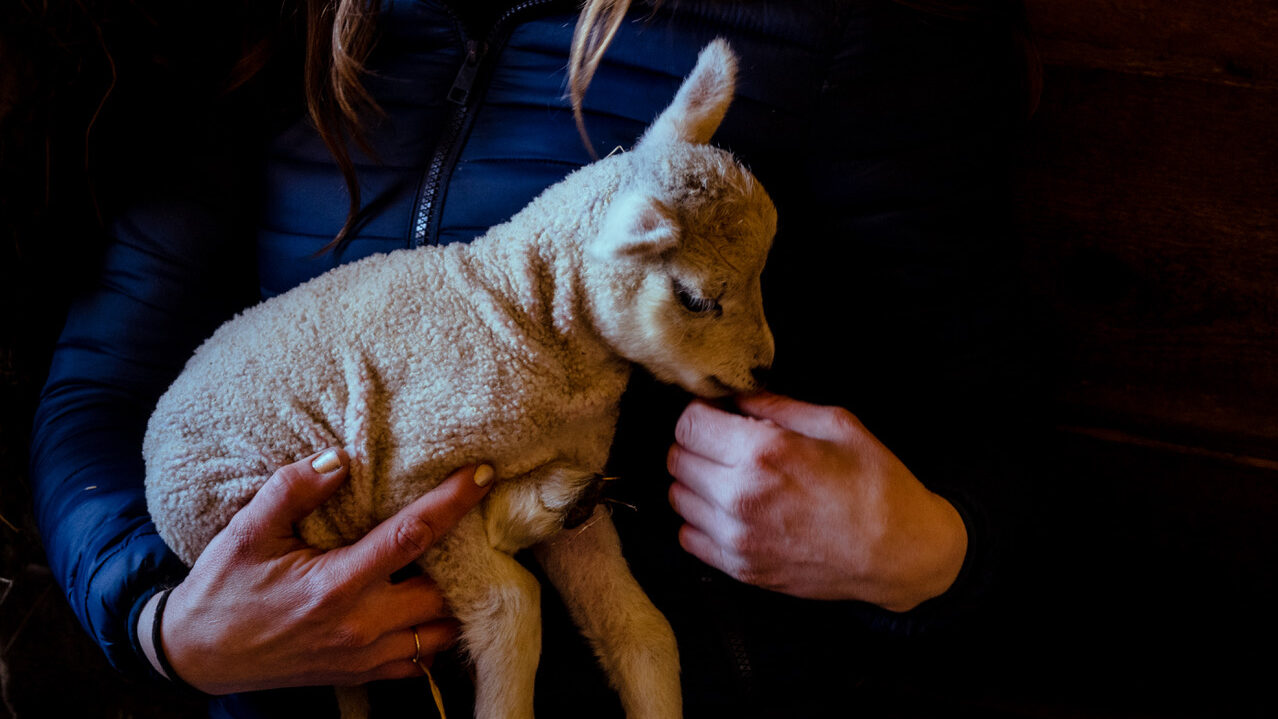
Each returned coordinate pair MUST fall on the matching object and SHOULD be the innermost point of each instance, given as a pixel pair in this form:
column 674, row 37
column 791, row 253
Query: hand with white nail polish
column 261, row 609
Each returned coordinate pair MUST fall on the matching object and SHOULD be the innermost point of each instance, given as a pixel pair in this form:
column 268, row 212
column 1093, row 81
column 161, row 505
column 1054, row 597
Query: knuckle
column 348, row 635
column 672, row 460
column 413, row 536
column 429, row 600
column 771, row 450
column 685, row 429
column 747, row 572
column 239, row 536
column 403, row 669
column 747, row 504
column 737, row 541
column 311, row 601
column 363, row 671
column 289, row 484
column 843, row 421
column 434, row 607
column 439, row 636
column 323, row 593
column 676, row 496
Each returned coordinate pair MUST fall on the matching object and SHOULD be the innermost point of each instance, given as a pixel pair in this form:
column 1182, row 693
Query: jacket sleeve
column 174, row 268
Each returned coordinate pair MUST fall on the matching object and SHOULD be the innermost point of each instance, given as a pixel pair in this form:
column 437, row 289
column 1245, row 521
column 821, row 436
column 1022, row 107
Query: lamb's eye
column 693, row 302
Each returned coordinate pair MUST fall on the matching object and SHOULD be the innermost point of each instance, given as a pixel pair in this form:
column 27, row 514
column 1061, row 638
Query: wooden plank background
column 1149, row 203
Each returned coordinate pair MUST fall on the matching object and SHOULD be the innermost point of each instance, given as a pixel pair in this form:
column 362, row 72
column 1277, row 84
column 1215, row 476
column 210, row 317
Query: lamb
column 512, row 350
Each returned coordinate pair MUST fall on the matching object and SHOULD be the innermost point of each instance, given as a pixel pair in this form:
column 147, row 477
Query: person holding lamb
column 786, row 543
column 512, row 349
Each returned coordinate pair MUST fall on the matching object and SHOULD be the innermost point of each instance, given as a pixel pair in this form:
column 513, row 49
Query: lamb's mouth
column 721, row 388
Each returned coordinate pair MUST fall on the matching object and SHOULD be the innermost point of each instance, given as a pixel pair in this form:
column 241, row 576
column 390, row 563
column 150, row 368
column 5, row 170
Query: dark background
column 1148, row 203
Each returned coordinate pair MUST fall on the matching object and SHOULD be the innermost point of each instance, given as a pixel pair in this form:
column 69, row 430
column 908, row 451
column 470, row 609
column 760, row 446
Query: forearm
column 92, row 517
column 164, row 285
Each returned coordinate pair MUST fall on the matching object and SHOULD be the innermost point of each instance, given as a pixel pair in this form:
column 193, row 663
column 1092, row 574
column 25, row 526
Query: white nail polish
column 327, row 462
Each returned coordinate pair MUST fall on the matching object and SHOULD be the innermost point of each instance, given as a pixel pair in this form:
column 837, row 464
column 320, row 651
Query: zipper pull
column 460, row 91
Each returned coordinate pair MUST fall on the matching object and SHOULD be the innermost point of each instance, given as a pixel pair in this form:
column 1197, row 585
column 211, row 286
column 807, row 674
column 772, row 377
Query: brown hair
column 596, row 26
column 338, row 39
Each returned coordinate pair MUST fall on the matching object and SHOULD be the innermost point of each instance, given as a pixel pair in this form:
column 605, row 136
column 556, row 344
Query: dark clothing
column 881, row 134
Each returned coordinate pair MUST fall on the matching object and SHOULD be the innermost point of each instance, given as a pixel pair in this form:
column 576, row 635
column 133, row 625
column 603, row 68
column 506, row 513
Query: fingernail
column 483, row 475
column 327, row 462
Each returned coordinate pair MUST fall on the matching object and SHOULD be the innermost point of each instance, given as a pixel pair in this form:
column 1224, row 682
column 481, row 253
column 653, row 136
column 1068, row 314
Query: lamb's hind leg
column 497, row 602
column 633, row 640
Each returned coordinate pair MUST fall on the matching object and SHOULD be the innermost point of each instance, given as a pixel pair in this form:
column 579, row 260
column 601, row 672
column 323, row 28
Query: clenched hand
column 802, row 499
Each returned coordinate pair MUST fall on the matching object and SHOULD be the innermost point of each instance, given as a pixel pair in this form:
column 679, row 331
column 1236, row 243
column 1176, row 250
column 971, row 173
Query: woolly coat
column 417, row 362
column 881, row 133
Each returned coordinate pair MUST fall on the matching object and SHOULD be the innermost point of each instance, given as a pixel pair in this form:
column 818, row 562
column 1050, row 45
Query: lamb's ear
column 702, row 100
column 637, row 225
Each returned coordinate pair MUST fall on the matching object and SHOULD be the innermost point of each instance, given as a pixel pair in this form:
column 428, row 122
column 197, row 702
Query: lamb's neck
column 532, row 264
column 537, row 282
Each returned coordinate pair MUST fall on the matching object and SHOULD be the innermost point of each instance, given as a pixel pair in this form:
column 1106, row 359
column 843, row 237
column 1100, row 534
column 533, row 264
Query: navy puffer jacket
column 880, row 131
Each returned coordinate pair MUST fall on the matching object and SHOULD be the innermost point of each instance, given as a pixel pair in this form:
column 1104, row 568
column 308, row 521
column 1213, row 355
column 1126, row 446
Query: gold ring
column 417, row 652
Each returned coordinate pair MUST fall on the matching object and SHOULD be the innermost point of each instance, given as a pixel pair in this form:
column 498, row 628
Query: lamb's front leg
column 497, row 602
column 633, row 640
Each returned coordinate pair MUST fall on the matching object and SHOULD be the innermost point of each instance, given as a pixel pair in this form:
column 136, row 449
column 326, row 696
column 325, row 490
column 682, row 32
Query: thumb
column 403, row 538
column 294, row 491
column 811, row 420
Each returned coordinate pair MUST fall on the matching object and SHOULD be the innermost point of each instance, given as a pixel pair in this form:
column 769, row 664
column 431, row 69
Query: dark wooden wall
column 1148, row 201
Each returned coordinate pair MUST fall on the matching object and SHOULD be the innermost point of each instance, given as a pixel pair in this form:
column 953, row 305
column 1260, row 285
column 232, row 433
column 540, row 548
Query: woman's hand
column 802, row 499
column 261, row 609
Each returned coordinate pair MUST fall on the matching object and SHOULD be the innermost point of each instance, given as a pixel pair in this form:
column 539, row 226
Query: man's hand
column 802, row 499
column 261, row 609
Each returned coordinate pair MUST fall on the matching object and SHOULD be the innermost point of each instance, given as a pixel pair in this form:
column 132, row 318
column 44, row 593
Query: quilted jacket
column 882, row 133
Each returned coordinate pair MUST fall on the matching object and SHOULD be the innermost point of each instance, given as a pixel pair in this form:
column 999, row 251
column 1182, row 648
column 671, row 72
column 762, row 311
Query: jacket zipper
column 426, row 218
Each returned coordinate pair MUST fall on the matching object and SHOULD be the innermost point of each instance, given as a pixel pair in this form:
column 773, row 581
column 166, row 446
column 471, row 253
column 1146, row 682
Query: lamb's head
column 675, row 269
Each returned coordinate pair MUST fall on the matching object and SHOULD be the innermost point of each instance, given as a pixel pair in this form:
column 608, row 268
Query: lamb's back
column 403, row 359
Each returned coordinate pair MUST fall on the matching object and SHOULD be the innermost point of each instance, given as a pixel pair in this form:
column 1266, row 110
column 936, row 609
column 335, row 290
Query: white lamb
column 512, row 350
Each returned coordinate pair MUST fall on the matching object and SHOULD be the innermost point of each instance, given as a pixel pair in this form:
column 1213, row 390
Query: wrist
column 150, row 637
column 144, row 632
column 951, row 548
column 941, row 549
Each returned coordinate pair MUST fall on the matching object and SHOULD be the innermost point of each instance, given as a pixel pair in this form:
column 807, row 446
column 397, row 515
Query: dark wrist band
column 158, row 645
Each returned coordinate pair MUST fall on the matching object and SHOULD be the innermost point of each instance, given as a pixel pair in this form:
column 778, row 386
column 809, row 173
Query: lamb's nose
column 761, row 374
